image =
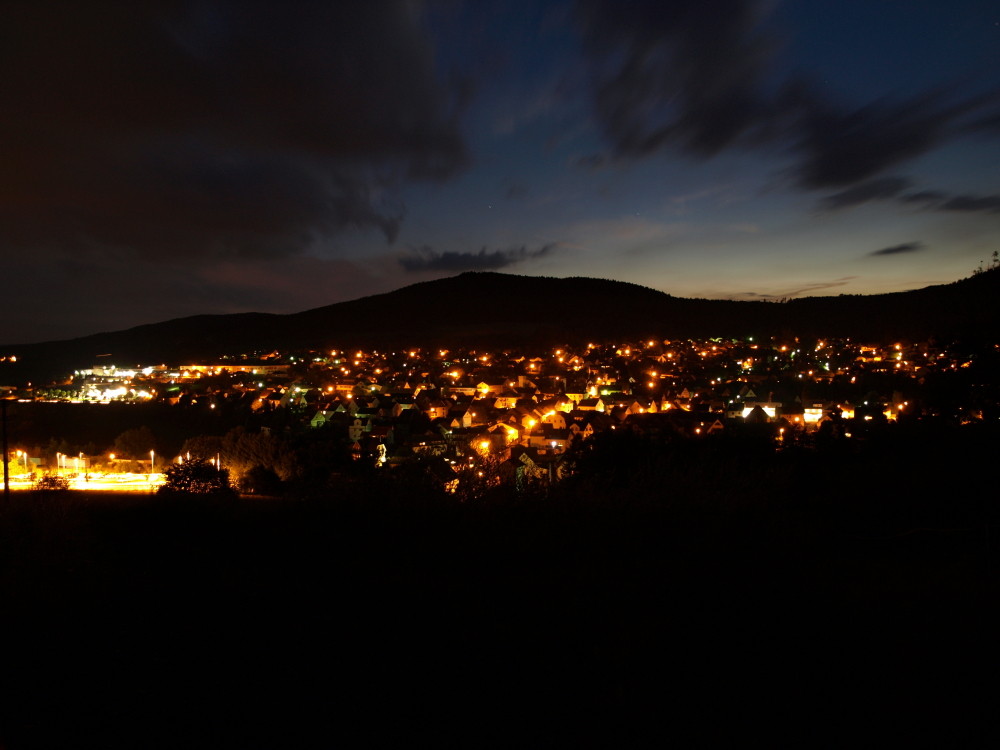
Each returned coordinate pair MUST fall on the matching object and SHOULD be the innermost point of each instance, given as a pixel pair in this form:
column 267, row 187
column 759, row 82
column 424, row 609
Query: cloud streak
column 880, row 189
column 428, row 259
column 892, row 189
column 985, row 203
column 906, row 247
column 800, row 290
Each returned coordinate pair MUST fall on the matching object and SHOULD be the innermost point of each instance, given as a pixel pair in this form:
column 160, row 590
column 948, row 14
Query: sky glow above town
column 160, row 160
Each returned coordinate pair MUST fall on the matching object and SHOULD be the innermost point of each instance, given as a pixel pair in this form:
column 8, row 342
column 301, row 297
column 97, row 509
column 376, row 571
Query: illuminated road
column 99, row 482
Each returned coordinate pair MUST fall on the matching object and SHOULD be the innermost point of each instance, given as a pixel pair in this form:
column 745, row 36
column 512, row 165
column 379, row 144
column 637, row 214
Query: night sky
column 165, row 159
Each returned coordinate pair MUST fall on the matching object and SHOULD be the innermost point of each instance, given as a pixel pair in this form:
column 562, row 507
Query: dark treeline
column 93, row 428
column 700, row 591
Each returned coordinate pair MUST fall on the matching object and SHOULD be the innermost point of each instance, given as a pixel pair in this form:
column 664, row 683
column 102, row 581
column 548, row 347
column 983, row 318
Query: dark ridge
column 502, row 310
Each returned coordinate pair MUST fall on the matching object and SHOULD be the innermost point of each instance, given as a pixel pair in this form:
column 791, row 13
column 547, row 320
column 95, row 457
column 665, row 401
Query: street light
column 152, row 462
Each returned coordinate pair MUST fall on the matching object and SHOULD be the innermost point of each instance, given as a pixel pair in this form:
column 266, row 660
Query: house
column 492, row 387
column 537, row 466
column 591, row 404
column 459, row 418
column 481, row 412
column 527, row 418
column 294, row 397
column 401, row 404
column 555, row 419
column 383, row 435
column 321, row 417
column 428, row 444
column 590, row 422
column 510, row 433
column 549, row 440
column 437, row 408
column 506, row 400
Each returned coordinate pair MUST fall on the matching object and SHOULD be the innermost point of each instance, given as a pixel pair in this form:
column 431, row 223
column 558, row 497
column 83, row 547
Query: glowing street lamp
column 152, row 462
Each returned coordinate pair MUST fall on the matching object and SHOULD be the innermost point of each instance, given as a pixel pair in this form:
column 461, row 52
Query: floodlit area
column 97, row 482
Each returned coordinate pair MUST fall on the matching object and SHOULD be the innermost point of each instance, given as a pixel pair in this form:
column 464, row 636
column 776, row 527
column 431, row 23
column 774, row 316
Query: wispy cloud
column 799, row 290
column 987, row 203
column 428, row 259
column 880, row 189
column 937, row 200
column 892, row 189
column 906, row 247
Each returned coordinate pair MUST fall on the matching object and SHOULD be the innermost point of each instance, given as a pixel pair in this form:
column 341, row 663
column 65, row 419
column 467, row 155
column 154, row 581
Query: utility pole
column 6, row 468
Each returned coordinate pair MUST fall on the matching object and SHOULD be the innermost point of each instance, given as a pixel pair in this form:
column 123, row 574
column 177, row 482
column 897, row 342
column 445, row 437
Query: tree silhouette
column 50, row 483
column 196, row 477
column 135, row 443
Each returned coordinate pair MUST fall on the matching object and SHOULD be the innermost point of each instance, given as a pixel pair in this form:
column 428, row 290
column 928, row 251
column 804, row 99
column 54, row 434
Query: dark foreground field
column 761, row 601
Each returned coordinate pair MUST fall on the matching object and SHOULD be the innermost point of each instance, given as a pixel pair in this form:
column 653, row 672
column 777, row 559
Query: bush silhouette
column 51, row 483
column 260, row 480
column 196, row 477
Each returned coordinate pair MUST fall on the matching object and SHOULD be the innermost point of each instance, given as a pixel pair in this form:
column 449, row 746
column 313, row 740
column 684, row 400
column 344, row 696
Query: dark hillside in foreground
column 704, row 597
column 500, row 310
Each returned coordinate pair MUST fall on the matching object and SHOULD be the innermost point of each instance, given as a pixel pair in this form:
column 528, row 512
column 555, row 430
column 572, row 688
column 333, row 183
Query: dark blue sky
column 198, row 157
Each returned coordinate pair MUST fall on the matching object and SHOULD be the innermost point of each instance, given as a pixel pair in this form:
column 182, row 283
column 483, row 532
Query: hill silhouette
column 501, row 310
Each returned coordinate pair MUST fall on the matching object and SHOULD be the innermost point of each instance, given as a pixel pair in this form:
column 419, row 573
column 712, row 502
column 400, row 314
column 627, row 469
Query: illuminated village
column 518, row 417
column 587, row 373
